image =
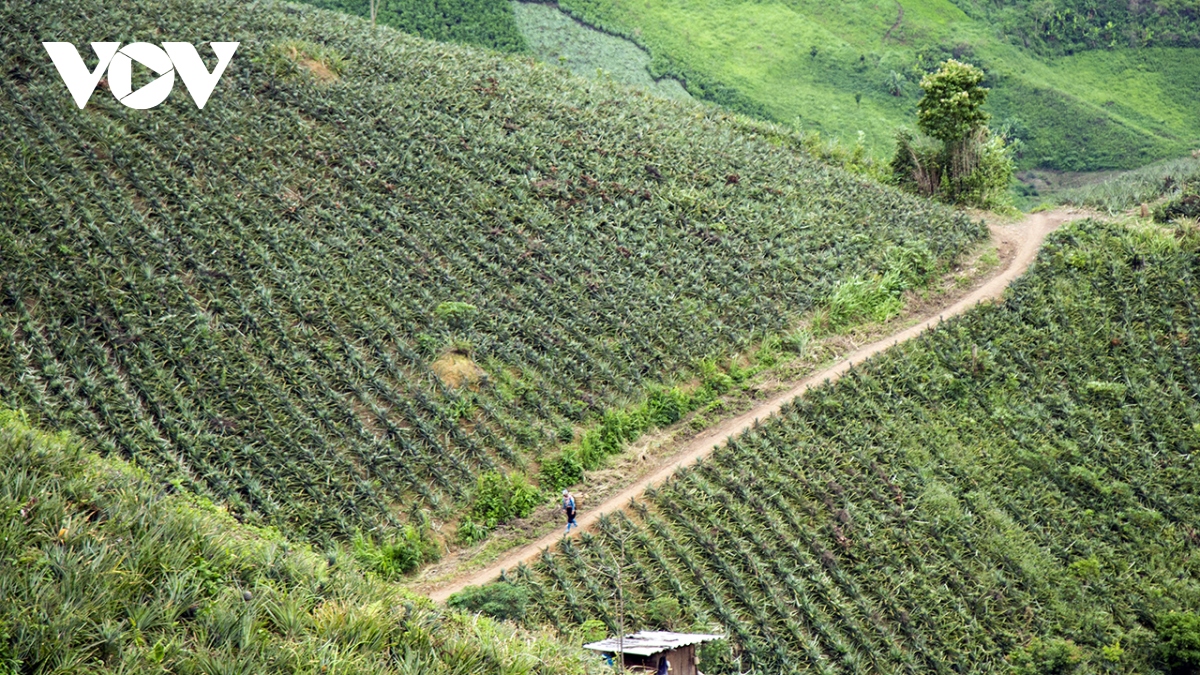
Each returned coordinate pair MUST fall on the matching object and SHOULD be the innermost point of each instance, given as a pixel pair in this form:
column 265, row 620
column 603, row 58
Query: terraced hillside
column 1017, row 488
column 105, row 573
column 374, row 267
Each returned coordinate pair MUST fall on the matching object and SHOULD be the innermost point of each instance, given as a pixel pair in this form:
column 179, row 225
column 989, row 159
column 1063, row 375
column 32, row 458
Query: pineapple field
column 374, row 268
column 104, row 573
column 1014, row 491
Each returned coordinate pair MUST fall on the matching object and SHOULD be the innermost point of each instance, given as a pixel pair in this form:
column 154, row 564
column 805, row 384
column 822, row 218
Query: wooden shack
column 641, row 651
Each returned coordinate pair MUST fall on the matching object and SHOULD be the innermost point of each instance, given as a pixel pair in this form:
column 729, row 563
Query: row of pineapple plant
column 1019, row 481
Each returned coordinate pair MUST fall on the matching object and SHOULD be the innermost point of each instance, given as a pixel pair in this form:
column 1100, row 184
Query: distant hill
column 1083, row 85
column 375, row 267
column 1015, row 491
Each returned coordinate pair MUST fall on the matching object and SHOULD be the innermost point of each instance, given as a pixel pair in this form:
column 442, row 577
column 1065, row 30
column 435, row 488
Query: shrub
column 717, row 658
column 874, row 299
column 915, row 264
column 663, row 612
column 500, row 600
column 1053, row 656
column 592, row 630
column 952, row 107
column 1185, row 205
column 457, row 314
column 1179, row 636
column 499, row 498
column 959, row 161
column 470, row 532
column 561, row 471
column 664, row 407
column 412, row 547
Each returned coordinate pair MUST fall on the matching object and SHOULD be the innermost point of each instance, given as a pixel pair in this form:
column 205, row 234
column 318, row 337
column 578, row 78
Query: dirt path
column 1024, row 236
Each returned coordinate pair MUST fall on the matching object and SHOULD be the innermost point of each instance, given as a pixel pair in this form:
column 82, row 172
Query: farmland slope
column 1021, row 476
column 1026, row 237
column 101, row 571
column 375, row 267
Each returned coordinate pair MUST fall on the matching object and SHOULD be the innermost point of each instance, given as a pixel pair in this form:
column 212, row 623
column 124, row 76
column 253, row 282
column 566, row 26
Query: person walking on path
column 568, row 505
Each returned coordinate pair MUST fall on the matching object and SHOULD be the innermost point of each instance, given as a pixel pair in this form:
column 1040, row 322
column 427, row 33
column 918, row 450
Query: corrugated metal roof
column 650, row 642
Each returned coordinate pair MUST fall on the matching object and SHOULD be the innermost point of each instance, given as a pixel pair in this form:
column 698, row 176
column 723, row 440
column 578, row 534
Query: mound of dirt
column 458, row 370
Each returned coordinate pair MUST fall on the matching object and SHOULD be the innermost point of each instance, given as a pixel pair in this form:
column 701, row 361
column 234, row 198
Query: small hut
column 642, row 650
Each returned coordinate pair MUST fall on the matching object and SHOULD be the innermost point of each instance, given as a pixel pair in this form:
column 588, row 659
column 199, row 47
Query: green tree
column 952, row 108
column 957, row 159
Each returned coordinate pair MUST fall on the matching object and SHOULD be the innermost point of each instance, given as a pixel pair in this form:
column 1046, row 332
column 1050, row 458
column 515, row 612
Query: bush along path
column 1025, row 237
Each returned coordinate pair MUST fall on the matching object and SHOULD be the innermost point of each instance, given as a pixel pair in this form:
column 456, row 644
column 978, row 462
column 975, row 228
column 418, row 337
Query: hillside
column 103, row 572
column 1083, row 85
column 373, row 267
column 1015, row 488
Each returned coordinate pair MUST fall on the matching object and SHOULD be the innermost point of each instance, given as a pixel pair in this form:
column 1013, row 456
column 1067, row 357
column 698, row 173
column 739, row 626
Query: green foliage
column 104, row 571
column 951, row 109
column 486, row 23
column 456, row 314
column 499, row 498
column 662, row 407
column 857, row 300
column 988, row 173
column 454, row 310
column 500, row 600
column 662, row 613
column 1053, row 656
column 881, row 297
column 1056, row 27
column 470, row 532
column 1179, row 640
column 948, row 498
column 972, row 166
column 402, row 553
column 560, row 471
column 262, row 278
column 592, row 630
column 716, row 658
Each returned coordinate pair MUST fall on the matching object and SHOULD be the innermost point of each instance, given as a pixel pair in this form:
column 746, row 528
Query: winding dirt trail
column 1025, row 237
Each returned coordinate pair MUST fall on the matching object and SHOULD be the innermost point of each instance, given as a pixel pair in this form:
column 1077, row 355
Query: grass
column 827, row 67
column 1018, row 478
